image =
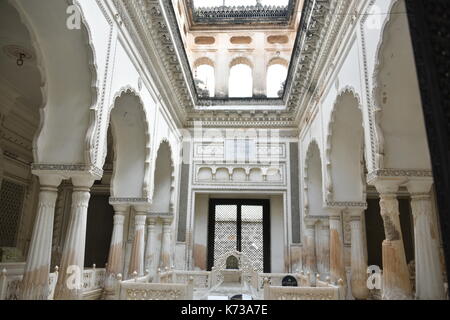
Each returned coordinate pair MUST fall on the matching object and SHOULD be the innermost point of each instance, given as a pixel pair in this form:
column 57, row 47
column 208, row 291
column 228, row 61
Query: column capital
column 310, row 222
column 355, row 213
column 420, row 187
column 119, row 219
column 121, row 209
column 139, row 219
column 152, row 221
column 325, row 223
column 334, row 212
column 142, row 208
column 50, row 181
column 387, row 186
column 167, row 220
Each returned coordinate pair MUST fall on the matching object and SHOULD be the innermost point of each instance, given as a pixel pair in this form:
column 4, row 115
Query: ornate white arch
column 328, row 179
column 375, row 107
column 166, row 141
column 128, row 90
column 45, row 78
column 306, row 175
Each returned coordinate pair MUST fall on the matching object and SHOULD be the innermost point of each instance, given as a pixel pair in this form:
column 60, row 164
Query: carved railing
column 330, row 292
column 141, row 289
column 93, row 279
column 10, row 279
column 304, row 279
column 201, row 279
column 275, row 279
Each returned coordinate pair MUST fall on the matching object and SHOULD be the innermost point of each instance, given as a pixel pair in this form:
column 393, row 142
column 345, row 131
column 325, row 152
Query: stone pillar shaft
column 116, row 249
column 359, row 287
column 396, row 283
column 70, row 280
column 166, row 255
column 138, row 249
column 310, row 245
column 36, row 276
column 151, row 263
column 337, row 263
column 323, row 263
column 115, row 258
column 429, row 273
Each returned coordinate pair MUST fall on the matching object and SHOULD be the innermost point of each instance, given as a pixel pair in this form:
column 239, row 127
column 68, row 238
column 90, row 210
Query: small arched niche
column 277, row 39
column 202, row 40
column 241, row 40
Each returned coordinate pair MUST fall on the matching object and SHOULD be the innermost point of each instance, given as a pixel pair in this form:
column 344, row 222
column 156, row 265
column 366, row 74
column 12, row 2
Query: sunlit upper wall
column 218, row 3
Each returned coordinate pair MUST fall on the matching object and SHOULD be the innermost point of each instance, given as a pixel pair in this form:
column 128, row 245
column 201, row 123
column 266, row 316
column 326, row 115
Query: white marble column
column 138, row 249
column 115, row 258
column 337, row 262
column 70, row 280
column 310, row 246
column 151, row 261
column 359, row 287
column 396, row 283
column 429, row 273
column 323, row 262
column 37, row 269
column 166, row 255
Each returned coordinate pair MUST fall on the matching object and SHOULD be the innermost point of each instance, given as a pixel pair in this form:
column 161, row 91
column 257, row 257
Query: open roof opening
column 238, row 51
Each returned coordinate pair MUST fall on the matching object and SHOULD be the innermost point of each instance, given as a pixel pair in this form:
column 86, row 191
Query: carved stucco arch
column 129, row 91
column 328, row 178
column 241, row 60
column 313, row 143
column 375, row 109
column 278, row 60
column 204, row 61
column 165, row 141
column 48, row 79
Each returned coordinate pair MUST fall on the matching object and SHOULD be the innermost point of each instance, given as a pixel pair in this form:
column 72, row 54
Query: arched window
column 204, row 74
column 276, row 77
column 240, row 83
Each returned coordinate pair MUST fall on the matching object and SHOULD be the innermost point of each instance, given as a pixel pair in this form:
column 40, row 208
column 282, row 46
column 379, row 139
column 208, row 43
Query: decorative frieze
column 67, row 169
column 398, row 173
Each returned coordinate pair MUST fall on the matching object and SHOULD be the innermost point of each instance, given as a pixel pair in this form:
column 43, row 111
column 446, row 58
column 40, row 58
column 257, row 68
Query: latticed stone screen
column 225, row 233
column 252, row 235
column 11, row 202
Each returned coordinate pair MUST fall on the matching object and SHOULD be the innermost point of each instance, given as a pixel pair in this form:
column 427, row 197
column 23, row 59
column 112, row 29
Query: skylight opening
column 232, row 3
column 238, row 48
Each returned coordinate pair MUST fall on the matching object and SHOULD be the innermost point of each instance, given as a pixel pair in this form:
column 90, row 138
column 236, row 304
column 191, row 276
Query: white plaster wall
column 200, row 232
column 277, row 235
